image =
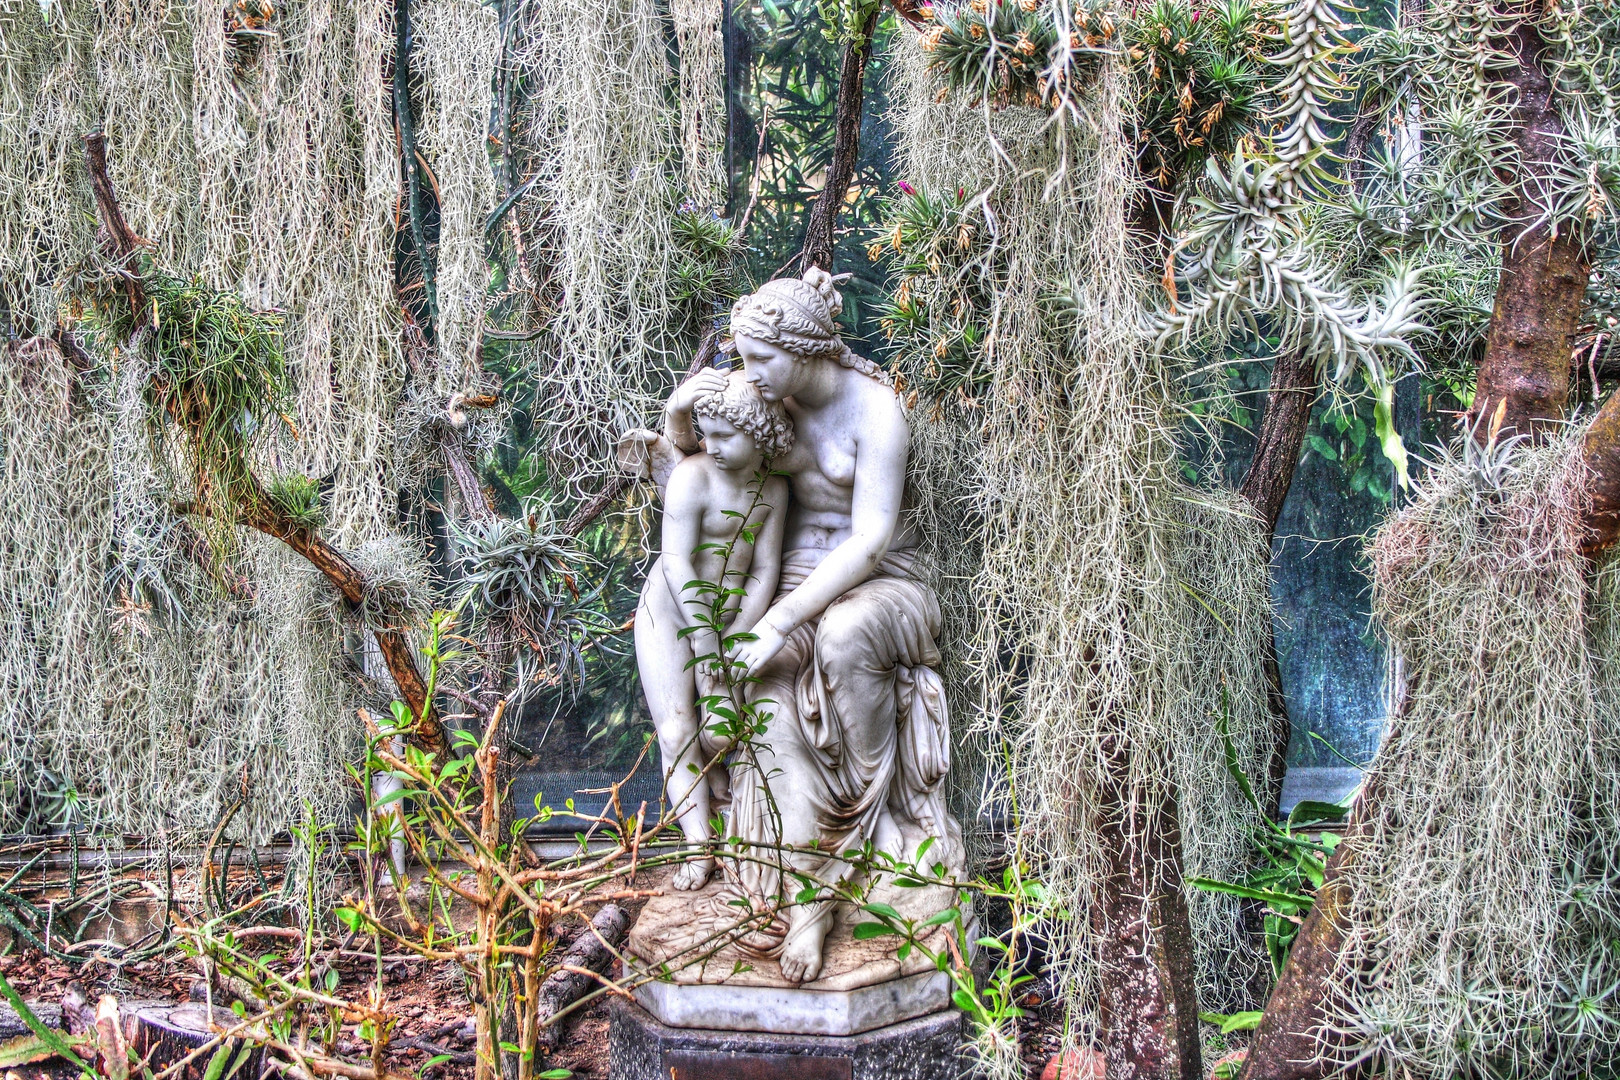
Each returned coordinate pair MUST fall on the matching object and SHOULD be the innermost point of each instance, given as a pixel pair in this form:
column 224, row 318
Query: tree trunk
column 1525, row 371
column 1294, row 383
column 1544, row 276
column 820, row 234
column 1600, row 450
column 1148, row 1006
column 396, row 649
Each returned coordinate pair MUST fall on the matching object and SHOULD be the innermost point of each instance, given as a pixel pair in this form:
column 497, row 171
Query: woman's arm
column 766, row 568
column 880, row 482
column 678, row 409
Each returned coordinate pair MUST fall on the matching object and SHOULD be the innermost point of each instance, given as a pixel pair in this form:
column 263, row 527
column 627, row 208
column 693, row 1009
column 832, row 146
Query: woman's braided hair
column 740, row 404
column 797, row 314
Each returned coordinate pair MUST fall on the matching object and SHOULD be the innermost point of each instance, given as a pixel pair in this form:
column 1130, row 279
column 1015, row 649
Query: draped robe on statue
column 858, row 719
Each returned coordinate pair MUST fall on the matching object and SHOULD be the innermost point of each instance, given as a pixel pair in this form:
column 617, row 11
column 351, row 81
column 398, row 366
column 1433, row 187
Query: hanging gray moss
column 1484, row 916
column 1101, row 608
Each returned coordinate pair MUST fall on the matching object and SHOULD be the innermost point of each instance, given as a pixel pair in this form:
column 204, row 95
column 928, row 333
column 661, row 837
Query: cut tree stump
column 163, row 1034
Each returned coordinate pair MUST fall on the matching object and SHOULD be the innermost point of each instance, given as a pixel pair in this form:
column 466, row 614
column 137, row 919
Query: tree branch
column 257, row 514
column 1544, row 276
column 819, row 233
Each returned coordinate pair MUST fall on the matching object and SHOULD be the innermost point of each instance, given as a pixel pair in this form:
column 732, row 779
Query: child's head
column 738, row 410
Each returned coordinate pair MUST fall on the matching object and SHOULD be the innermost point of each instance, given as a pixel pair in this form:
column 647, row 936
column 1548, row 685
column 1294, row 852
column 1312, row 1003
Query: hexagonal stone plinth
column 924, row 1048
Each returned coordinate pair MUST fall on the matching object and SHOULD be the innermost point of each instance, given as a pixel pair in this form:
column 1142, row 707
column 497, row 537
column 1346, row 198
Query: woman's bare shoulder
column 879, row 410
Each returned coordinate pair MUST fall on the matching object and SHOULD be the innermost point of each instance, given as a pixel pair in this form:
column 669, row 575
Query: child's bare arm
column 683, row 532
column 766, row 569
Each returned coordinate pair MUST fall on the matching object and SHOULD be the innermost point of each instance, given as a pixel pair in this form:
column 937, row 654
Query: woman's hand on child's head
column 753, row 655
column 706, row 381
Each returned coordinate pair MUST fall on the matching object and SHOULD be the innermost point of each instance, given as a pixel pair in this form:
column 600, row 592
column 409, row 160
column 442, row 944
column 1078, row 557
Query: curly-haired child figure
column 707, row 496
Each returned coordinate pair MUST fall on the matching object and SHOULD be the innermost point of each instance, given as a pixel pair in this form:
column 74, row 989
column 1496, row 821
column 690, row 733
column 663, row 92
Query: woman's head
column 740, row 408
column 787, row 321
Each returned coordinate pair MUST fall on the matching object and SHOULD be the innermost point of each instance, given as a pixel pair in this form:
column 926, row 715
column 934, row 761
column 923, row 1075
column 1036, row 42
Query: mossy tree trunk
column 257, row 511
column 1525, row 374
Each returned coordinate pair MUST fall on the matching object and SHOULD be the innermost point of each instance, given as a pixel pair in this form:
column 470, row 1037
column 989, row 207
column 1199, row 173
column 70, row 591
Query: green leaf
column 27, row 1049
column 868, row 930
column 351, row 919
column 1322, row 446
column 965, row 1001
column 1293, row 903
column 216, row 1064
column 242, row 1056
column 883, row 911
column 1311, row 812
column 943, row 917
column 554, row 1074
column 1388, row 438
column 1242, row 1021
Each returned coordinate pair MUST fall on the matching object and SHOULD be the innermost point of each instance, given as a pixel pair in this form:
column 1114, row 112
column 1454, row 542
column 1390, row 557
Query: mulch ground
column 429, row 998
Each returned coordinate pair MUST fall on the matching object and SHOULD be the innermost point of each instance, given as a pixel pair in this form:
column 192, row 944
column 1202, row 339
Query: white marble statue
column 857, row 743
column 708, row 497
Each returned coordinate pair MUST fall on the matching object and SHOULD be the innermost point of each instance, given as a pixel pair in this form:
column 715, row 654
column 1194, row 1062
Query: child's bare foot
column 693, row 874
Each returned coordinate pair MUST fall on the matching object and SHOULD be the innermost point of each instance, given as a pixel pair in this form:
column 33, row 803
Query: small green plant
column 935, row 319
column 1291, row 868
column 297, row 499
column 1201, row 80
column 845, row 18
column 703, row 272
column 219, row 375
column 1012, row 52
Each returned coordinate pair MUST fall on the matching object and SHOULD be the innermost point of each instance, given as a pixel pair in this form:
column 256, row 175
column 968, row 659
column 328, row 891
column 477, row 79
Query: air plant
column 296, row 499
column 703, row 272
column 399, row 590
column 220, row 377
column 531, row 576
column 1006, row 50
column 1203, row 81
column 935, row 318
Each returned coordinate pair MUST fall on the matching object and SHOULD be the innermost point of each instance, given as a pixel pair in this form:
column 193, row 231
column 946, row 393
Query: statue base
column 710, row 983
column 641, row 1048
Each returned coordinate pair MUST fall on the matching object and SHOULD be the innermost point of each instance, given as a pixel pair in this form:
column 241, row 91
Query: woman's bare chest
column 821, row 455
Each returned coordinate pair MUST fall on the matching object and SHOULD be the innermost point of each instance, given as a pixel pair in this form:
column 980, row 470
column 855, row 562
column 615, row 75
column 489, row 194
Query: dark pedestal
column 640, row 1048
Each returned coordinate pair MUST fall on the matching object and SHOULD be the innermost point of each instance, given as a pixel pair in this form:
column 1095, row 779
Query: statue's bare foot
column 801, row 958
column 887, row 837
column 693, row 874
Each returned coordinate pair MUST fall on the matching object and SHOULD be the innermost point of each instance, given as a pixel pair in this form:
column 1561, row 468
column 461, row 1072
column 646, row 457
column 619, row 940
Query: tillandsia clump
column 1203, row 81
column 703, row 273
column 297, row 499
column 1017, row 52
column 935, row 318
column 530, row 576
column 218, row 373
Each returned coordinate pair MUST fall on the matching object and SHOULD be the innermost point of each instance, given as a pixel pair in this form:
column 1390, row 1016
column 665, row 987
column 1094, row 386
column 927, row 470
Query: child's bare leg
column 661, row 657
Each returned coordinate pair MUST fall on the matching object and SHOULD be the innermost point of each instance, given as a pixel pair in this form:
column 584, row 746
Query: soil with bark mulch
column 430, row 998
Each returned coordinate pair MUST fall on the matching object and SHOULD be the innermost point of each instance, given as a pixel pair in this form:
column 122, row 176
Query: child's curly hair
column 740, row 404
